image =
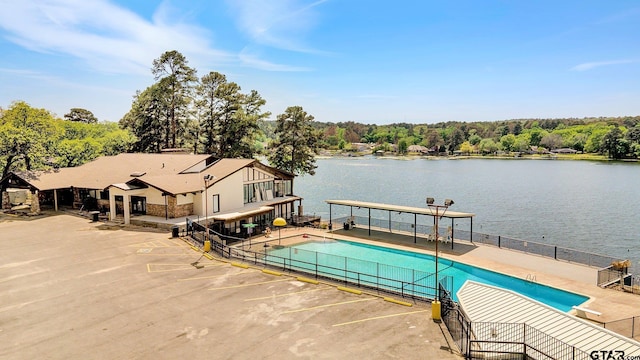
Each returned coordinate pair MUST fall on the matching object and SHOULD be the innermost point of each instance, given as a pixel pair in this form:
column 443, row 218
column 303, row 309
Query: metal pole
column 436, row 219
column 206, row 210
column 415, row 228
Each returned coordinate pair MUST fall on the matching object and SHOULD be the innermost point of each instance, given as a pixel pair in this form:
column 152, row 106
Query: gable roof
column 169, row 172
column 106, row 170
column 183, row 183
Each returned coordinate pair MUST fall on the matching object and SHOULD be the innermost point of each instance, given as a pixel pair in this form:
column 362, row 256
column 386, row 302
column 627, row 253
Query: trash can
column 174, row 231
column 94, row 215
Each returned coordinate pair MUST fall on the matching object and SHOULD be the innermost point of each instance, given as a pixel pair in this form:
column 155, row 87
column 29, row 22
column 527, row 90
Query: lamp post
column 207, row 178
column 435, row 305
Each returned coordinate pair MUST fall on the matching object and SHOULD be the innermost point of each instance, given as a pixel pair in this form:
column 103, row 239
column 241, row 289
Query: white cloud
column 277, row 23
column 592, row 65
column 251, row 60
column 108, row 37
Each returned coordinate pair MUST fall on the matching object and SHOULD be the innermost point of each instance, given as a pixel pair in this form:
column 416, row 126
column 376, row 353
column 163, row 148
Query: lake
column 584, row 205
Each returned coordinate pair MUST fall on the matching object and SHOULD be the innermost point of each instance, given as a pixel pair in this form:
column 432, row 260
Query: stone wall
column 173, row 210
column 176, row 210
column 6, row 204
column 35, row 203
column 155, row 210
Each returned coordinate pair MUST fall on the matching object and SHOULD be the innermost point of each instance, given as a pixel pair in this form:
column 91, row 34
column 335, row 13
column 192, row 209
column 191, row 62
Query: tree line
column 615, row 137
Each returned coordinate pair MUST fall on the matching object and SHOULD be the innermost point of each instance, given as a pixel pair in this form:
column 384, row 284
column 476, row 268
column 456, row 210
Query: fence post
column 346, row 277
column 524, row 340
column 378, row 276
column 555, row 253
column 499, row 240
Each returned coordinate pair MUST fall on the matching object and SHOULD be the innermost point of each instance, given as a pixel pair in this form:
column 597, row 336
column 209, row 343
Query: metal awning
column 398, row 208
column 489, row 304
column 237, row 215
column 427, row 211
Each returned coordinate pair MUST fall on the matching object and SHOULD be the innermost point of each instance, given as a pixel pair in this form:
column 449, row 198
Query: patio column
column 55, row 199
column 125, row 205
column 112, row 206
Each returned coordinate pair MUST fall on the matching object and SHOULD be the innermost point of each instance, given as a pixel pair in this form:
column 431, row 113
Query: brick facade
column 172, row 210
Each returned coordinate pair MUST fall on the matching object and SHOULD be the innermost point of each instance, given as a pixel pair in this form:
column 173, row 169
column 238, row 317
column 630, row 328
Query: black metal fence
column 629, row 327
column 518, row 340
column 408, row 283
column 456, row 320
column 482, row 340
column 530, row 247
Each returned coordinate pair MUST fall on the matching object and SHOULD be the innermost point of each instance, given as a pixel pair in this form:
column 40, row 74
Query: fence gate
column 456, row 321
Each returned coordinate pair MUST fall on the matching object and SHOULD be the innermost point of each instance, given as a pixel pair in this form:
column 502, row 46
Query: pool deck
column 613, row 305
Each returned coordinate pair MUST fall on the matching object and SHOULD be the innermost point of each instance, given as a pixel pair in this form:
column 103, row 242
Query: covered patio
column 399, row 209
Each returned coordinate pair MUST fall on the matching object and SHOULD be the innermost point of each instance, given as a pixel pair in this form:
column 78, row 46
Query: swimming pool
column 329, row 253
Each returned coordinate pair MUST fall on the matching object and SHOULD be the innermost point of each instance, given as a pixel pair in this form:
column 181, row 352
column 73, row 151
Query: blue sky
column 341, row 60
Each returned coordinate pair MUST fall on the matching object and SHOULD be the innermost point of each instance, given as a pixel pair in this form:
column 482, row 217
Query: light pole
column 435, row 305
column 207, row 178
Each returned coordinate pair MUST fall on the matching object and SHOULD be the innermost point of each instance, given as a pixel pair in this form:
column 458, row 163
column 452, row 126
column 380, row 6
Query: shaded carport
column 404, row 209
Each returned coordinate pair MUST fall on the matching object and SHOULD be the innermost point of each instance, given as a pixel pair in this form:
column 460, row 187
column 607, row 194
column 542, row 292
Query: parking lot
column 70, row 288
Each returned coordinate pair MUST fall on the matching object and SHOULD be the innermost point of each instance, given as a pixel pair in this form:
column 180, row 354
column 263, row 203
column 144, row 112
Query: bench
column 582, row 312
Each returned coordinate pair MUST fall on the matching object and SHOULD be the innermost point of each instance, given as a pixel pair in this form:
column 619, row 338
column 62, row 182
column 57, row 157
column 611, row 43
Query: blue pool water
column 367, row 254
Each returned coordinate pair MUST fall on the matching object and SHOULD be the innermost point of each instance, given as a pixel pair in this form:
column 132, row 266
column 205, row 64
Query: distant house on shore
column 417, row 149
column 170, row 185
column 564, row 151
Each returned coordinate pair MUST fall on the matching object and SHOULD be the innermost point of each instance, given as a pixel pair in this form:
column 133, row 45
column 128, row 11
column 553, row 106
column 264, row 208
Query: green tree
column 487, row 146
column 457, row 138
column 177, row 77
column 296, row 142
column 81, row 115
column 633, row 134
column 614, row 144
column 75, row 152
column 147, row 119
column 27, row 138
column 517, row 129
column 594, row 141
column 474, row 139
column 402, row 146
column 521, row 144
column 507, row 142
column 209, row 106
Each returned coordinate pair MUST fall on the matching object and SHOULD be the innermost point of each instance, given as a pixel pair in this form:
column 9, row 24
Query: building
column 228, row 192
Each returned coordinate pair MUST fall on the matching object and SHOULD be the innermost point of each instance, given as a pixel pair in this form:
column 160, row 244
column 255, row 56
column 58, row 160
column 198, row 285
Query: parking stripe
column 329, row 305
column 216, row 276
column 380, row 317
column 246, row 285
column 288, row 294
